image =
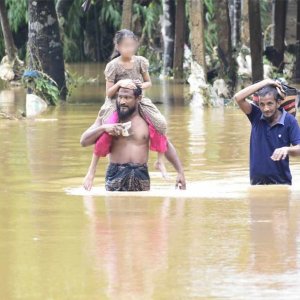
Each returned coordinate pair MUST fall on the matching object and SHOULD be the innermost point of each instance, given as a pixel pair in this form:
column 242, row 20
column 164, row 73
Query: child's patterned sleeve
column 110, row 72
column 144, row 64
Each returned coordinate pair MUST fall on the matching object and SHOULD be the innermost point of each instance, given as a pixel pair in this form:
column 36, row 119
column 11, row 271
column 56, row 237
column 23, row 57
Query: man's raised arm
column 240, row 97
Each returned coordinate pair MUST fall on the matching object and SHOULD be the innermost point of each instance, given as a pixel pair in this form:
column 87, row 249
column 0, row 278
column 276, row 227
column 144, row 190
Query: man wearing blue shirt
column 275, row 134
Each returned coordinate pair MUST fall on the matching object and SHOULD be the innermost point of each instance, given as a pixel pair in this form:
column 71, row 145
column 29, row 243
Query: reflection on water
column 12, row 101
column 220, row 239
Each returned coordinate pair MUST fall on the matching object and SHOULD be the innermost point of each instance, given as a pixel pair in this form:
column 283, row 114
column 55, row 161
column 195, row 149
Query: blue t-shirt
column 264, row 140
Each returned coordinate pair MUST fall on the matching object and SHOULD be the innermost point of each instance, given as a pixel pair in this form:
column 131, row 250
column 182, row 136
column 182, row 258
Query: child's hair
column 119, row 36
column 270, row 90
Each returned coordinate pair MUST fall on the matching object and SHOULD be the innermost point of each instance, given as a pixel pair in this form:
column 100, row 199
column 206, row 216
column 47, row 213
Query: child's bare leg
column 89, row 177
column 160, row 165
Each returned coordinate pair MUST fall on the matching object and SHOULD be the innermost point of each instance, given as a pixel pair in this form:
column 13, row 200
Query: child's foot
column 88, row 181
column 160, row 166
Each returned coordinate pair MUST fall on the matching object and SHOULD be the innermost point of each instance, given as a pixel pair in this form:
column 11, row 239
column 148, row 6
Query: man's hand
column 180, row 182
column 240, row 97
column 270, row 81
column 127, row 84
column 280, row 153
column 114, row 129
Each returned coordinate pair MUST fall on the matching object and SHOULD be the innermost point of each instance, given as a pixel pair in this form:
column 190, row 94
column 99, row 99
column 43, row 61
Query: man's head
column 269, row 101
column 127, row 102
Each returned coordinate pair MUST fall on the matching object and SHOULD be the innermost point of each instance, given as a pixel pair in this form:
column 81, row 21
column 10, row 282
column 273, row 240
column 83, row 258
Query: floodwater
column 220, row 239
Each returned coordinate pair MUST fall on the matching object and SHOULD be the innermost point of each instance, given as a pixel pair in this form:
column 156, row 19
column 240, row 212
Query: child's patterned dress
column 156, row 121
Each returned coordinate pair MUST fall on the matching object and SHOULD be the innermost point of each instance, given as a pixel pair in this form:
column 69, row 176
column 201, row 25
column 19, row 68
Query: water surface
column 220, row 239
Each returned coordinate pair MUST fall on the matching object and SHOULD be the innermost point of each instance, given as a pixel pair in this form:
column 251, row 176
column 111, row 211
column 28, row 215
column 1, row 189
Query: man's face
column 126, row 103
column 268, row 106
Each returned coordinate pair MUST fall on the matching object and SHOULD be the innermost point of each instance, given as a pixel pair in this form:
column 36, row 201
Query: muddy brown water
column 220, row 239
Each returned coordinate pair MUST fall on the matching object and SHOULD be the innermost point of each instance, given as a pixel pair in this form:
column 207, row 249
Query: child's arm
column 89, row 177
column 147, row 81
column 144, row 65
column 111, row 88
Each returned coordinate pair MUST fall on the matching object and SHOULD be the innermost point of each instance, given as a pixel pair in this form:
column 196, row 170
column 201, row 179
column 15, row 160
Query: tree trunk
column 279, row 32
column 179, row 39
column 297, row 63
column 127, row 14
column 10, row 47
column 97, row 33
column 168, row 33
column 255, row 40
column 44, row 43
column 245, row 34
column 236, row 23
column 224, row 42
column 197, row 32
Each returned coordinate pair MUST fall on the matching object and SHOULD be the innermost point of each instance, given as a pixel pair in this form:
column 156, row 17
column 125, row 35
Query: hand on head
column 127, row 84
column 278, row 84
column 138, row 83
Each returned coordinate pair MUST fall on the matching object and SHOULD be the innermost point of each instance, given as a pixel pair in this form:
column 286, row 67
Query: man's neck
column 129, row 118
column 276, row 118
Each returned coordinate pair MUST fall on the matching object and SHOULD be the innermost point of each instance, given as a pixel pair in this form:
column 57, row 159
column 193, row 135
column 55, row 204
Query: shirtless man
column 128, row 170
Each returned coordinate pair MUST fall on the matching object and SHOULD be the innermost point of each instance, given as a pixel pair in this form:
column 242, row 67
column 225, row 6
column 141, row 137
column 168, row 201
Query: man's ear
column 139, row 98
column 279, row 101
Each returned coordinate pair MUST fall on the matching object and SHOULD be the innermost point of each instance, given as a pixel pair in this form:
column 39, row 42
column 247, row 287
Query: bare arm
column 111, row 88
column 282, row 153
column 90, row 136
column 173, row 158
column 147, row 81
column 240, row 97
column 294, row 150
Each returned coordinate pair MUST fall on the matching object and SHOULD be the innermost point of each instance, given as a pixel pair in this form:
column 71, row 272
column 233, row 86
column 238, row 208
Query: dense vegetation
column 231, row 27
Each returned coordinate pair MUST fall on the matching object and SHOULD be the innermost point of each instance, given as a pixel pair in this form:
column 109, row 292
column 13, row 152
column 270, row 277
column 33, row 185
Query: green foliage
column 211, row 39
column 266, row 13
column 111, row 13
column 17, row 13
column 148, row 16
column 43, row 86
column 210, row 33
column 73, row 33
column 79, row 28
column 17, row 17
column 101, row 21
column 154, row 58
